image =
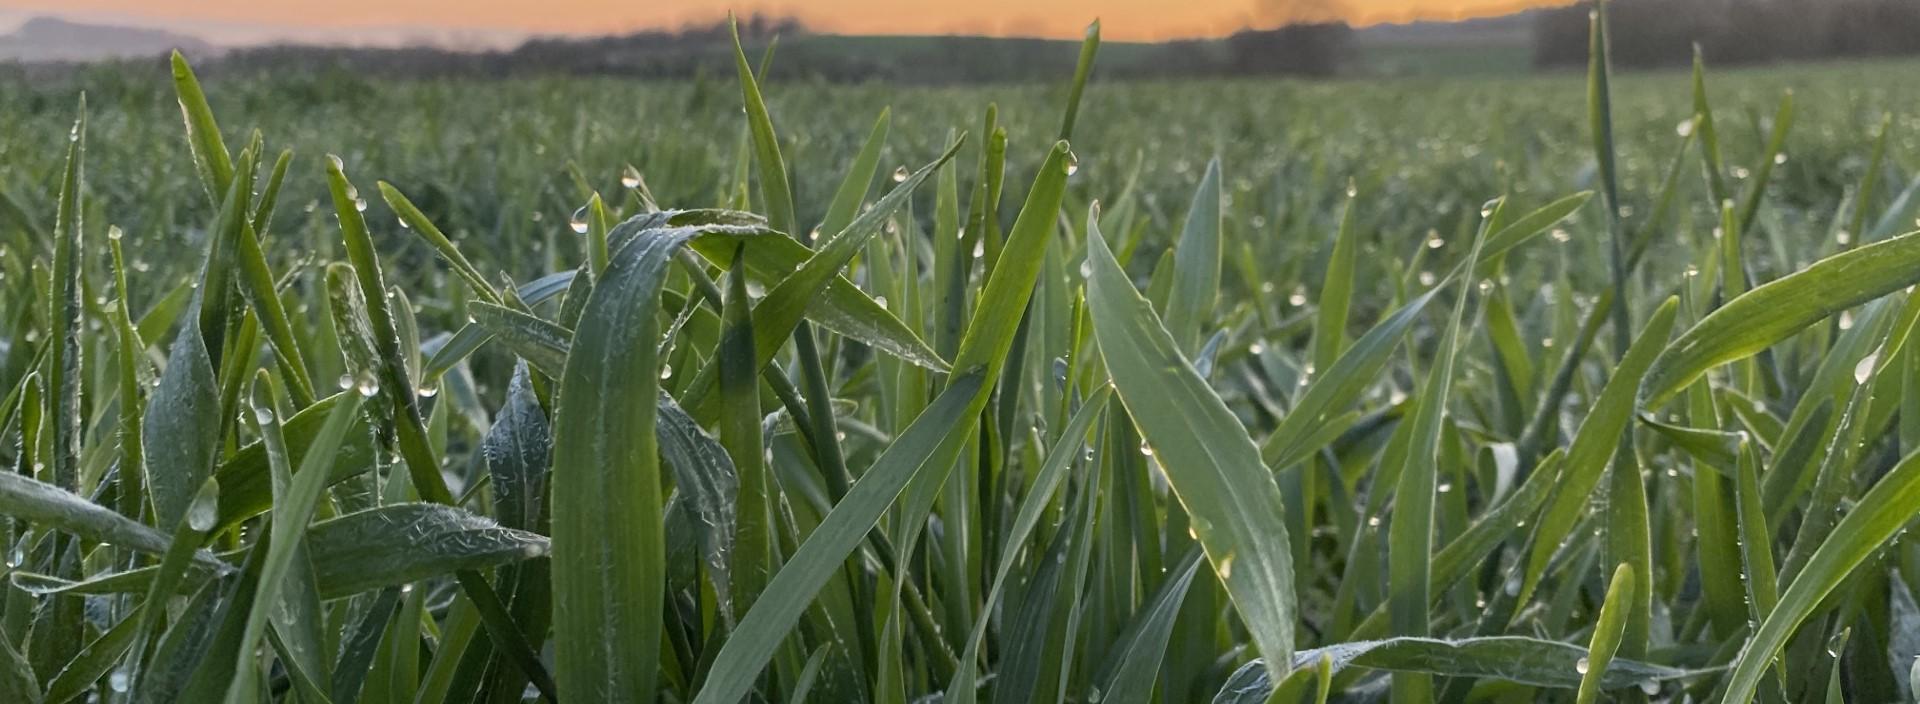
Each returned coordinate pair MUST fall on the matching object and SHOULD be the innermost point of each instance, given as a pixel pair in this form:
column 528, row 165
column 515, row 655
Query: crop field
column 1570, row 388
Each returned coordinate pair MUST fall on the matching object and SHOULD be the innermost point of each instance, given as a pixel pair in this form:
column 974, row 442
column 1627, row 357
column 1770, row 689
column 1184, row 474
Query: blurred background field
column 502, row 163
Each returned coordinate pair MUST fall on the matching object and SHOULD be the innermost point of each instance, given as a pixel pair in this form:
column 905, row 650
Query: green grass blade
column 1778, row 309
column 390, row 372
column 818, row 559
column 1336, row 292
column 210, row 154
column 1196, row 263
column 1884, row 511
column 741, row 435
column 608, row 579
column 1410, row 535
column 1210, row 464
column 400, row 543
column 1089, row 48
column 1594, row 446
column 1134, row 658
column 1608, row 629
column 859, row 180
column 296, row 495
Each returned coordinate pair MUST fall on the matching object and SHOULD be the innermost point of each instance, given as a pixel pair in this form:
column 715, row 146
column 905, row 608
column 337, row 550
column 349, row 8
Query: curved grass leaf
column 1884, row 511
column 1196, row 262
column 1052, row 472
column 1210, row 463
column 818, row 559
column 400, row 543
column 1776, row 310
column 1594, row 445
column 246, row 483
column 609, row 550
column 1608, row 629
column 1134, row 660
column 1520, row 660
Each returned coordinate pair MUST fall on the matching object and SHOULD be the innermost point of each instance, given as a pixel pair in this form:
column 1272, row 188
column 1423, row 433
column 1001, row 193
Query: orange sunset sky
column 1120, row 19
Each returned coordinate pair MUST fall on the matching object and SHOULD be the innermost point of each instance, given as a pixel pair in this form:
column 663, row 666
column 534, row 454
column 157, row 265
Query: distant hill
column 45, row 39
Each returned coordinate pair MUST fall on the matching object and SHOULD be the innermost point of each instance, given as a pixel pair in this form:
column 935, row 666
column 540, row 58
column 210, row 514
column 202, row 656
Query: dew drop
column 1581, row 666
column 1373, row 521
column 1353, row 189
column 1146, row 449
column 900, row 174
column 1428, row 279
column 1298, row 297
column 1073, row 163
column 17, row 557
column 1779, row 159
column 1560, row 235
column 1256, row 349
column 1846, row 320
column 367, row 385
column 1685, row 128
column 406, row 588
column 114, row 233
column 579, row 221
column 1842, row 237
column 1650, row 688
column 630, row 177
column 1436, row 242
column 427, row 389
column 1864, row 369
column 666, row 372
column 204, row 510
column 119, row 680
column 1512, row 587
column 360, row 204
column 1086, row 269
column 881, row 300
column 346, row 380
column 263, row 414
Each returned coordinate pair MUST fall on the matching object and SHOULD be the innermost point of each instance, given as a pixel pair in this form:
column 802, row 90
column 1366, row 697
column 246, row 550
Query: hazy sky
column 1120, row 19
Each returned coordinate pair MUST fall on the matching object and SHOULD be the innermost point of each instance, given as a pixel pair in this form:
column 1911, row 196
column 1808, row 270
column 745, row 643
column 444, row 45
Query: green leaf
column 1046, row 482
column 182, row 425
column 1594, row 446
column 246, row 484
column 859, row 180
column 608, row 549
column 1410, row 535
column 818, row 559
column 400, row 543
column 541, row 342
column 1520, row 660
column 296, row 495
column 1336, row 293
column 1608, row 628
column 1340, row 385
column 1134, row 659
column 1884, row 511
column 1210, row 463
column 1777, row 309
column 1196, row 262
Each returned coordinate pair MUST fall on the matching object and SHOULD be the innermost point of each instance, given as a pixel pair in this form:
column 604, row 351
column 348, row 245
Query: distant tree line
column 1651, row 33
column 706, row 50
